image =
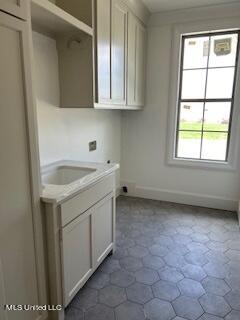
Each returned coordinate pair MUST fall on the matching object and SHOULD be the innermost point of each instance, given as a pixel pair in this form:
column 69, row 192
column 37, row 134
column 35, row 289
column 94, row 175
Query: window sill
column 201, row 164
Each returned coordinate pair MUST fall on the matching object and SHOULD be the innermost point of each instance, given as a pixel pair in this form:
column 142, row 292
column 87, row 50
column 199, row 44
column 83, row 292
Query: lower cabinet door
column 103, row 221
column 76, row 255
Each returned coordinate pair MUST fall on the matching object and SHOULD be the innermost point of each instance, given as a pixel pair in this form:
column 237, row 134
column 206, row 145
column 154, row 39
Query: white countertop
column 59, row 193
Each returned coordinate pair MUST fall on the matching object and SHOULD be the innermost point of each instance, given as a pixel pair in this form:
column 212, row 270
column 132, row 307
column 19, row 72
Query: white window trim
column 178, row 31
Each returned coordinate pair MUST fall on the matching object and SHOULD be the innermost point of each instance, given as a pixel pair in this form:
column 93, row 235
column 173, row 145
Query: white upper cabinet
column 15, row 7
column 120, row 40
column 119, row 51
column 136, row 62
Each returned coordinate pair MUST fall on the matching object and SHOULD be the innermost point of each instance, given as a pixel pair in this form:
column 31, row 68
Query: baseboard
column 194, row 199
column 118, row 192
column 239, row 213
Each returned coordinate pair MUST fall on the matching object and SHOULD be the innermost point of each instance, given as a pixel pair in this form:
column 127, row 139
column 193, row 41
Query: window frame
column 192, row 28
column 206, row 100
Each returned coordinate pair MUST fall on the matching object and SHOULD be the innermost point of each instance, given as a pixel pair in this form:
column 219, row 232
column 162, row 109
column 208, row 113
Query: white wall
column 144, row 167
column 65, row 133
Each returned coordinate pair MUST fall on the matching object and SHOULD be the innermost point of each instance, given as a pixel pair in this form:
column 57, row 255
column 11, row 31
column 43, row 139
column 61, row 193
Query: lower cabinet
column 76, row 247
column 102, row 229
column 85, row 243
column 77, row 254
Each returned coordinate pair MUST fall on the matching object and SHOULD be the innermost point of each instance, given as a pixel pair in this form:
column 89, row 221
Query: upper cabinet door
column 136, row 61
column 17, row 8
column 118, row 52
column 103, row 45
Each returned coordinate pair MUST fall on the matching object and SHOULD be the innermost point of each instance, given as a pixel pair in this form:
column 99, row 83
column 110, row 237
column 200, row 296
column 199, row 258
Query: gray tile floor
column 172, row 262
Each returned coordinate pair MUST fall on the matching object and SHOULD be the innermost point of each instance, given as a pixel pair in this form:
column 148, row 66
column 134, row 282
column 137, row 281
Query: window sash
column 206, row 100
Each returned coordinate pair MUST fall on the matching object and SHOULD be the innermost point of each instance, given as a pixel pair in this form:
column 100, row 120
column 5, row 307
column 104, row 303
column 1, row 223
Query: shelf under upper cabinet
column 49, row 18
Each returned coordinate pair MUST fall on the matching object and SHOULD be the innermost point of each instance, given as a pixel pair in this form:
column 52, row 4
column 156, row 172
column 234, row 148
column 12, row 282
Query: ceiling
column 168, row 5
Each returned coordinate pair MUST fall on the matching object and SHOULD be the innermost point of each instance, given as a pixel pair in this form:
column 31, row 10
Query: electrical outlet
column 92, row 145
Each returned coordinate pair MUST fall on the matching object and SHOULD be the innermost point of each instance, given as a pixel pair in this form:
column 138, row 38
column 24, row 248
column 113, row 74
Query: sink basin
column 64, row 175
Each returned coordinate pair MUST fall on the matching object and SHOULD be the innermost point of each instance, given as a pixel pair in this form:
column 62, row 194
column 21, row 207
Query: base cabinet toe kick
column 80, row 235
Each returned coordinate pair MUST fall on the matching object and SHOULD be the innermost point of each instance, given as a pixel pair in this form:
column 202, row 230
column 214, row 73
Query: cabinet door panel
column 140, row 64
column 17, row 8
column 104, row 50
column 136, row 61
column 103, row 226
column 18, row 272
column 77, row 255
column 118, row 54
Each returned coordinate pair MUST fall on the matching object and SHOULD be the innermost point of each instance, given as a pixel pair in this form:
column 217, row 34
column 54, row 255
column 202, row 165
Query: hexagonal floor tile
column 165, row 290
column 126, row 243
column 216, row 270
column 73, row 314
column 153, row 262
column 144, row 241
column 122, row 278
column 159, row 250
column 131, row 263
column 233, row 255
column 215, row 286
column 112, row 296
column 100, row 312
column 139, row 292
column 164, row 240
column 147, row 276
column 207, row 316
column 187, row 308
column 197, row 247
column 199, row 237
column 170, row 274
column 196, row 258
column 233, row 315
column 233, row 280
column 129, row 311
column 138, row 251
column 190, row 288
column 98, row 280
column 109, row 265
column 85, row 299
column 233, row 299
column 157, row 309
column 214, row 305
column 174, row 260
column 184, row 230
column 216, row 257
column 193, row 272
column 120, row 253
column 182, row 239
column 217, row 246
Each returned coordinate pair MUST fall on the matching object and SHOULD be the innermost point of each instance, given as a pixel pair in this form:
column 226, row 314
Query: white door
column 118, row 52
column 136, row 61
column 77, row 255
column 103, row 222
column 18, row 272
column 15, row 7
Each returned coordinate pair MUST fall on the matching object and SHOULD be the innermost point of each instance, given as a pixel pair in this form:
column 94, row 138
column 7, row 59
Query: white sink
column 64, row 175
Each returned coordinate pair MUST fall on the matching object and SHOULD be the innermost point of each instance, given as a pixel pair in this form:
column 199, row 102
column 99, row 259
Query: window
column 206, row 95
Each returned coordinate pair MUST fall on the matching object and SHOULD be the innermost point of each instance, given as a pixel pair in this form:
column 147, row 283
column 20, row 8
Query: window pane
column 196, row 52
column 193, row 84
column 217, row 116
column 191, row 116
column 214, row 146
column 223, row 50
column 220, row 83
column 189, row 144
